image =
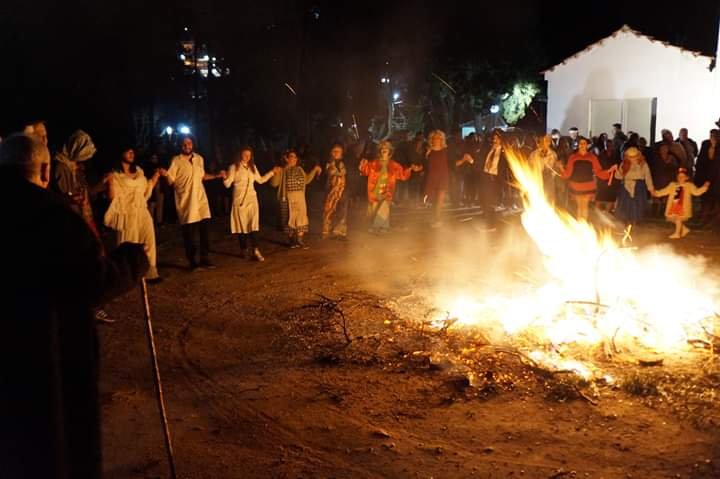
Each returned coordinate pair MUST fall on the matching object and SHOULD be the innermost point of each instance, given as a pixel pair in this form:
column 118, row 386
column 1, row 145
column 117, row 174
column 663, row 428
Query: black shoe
column 154, row 280
column 205, row 263
column 193, row 266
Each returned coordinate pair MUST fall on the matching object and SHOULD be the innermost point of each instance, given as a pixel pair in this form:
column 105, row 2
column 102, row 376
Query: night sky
column 86, row 64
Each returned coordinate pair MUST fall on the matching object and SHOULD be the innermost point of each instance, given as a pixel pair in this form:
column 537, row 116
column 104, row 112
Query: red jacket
column 395, row 171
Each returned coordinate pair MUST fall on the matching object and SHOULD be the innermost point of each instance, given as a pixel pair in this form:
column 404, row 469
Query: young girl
column 128, row 213
column 291, row 182
column 679, row 203
column 245, row 213
column 637, row 182
column 383, row 174
column 581, row 170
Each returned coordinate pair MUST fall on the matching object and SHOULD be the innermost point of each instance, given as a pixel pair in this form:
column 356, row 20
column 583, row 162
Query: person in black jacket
column 54, row 275
column 707, row 168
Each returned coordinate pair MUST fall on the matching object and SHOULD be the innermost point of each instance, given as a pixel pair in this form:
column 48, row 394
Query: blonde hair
column 385, row 144
column 437, row 133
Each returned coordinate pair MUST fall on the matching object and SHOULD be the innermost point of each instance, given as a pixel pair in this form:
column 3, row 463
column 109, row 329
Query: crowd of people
column 618, row 173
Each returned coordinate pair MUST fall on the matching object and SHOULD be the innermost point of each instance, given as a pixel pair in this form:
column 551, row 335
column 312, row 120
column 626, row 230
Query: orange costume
column 383, row 188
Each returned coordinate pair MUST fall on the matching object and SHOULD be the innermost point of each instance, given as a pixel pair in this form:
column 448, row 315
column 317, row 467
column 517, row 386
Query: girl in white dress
column 245, row 214
column 128, row 213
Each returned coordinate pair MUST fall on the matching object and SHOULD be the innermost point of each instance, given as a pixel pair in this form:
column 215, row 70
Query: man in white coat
column 186, row 174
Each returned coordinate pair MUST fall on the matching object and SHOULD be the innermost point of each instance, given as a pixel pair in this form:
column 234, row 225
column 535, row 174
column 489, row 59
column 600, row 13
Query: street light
column 396, row 96
column 169, row 130
column 494, row 109
column 184, row 129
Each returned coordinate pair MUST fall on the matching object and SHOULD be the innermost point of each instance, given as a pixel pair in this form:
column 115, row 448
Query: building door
column 634, row 114
column 603, row 113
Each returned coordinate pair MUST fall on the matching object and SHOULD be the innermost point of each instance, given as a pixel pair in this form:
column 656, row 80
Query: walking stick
column 156, row 376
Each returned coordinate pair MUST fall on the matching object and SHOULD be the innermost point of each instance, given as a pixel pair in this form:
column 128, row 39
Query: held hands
column 317, row 169
column 468, row 159
column 162, row 171
column 277, row 170
column 222, row 175
column 706, row 184
column 416, row 168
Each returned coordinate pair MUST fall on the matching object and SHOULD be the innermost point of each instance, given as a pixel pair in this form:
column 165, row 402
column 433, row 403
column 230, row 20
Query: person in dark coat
column 708, row 169
column 55, row 274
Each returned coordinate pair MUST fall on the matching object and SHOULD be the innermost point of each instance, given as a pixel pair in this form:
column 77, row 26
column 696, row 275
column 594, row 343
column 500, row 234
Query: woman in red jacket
column 581, row 170
column 383, row 174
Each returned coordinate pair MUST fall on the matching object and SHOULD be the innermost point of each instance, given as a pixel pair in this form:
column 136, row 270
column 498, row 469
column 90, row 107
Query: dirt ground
column 251, row 393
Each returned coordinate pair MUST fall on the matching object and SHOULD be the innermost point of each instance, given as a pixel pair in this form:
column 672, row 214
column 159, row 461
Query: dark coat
column 54, row 274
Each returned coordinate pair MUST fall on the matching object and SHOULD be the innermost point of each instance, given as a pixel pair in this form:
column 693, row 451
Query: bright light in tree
column 183, row 129
column 494, row 109
column 396, row 96
column 169, row 130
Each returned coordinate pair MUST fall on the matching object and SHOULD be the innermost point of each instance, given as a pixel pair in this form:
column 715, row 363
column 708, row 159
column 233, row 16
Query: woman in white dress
column 128, row 213
column 245, row 213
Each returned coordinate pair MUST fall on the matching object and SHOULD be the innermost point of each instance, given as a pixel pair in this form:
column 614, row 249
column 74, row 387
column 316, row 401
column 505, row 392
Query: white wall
column 627, row 66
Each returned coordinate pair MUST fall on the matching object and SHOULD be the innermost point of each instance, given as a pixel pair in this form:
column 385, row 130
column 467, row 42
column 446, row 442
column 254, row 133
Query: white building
column 638, row 81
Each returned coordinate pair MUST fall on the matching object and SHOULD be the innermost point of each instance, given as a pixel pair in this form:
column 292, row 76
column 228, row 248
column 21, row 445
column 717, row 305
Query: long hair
column 441, row 135
column 286, row 154
column 238, row 157
column 119, row 163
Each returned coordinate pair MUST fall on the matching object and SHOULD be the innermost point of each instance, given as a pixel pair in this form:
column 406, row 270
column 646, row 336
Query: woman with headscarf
column 637, row 182
column 69, row 176
column 383, row 174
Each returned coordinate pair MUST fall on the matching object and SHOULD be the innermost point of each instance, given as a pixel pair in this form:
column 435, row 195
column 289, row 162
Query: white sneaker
column 258, row 256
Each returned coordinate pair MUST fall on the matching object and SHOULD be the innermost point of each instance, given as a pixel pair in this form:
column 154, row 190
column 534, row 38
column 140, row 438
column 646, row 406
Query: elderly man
column 55, row 274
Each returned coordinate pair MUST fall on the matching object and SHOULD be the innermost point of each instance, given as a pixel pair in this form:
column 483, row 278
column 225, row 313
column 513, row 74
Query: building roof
column 627, row 29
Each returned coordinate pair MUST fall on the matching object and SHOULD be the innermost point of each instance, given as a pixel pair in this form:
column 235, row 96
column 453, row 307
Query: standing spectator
column 494, row 178
column 39, row 129
column 637, row 182
column 454, row 151
column 417, row 158
column 128, row 213
column 157, row 198
column 69, row 178
column 691, row 148
column 667, row 158
column 245, row 212
column 562, row 149
column 678, row 208
column 708, row 169
column 383, row 174
column 582, row 169
column 466, row 170
column 336, row 202
column 49, row 405
column 186, row 174
column 573, row 139
column 547, row 159
column 291, row 184
column 606, row 190
column 619, row 138
column 70, row 181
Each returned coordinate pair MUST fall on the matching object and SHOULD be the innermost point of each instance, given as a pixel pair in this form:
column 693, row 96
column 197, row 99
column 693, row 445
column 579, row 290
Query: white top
column 129, row 205
column 637, row 171
column 492, row 160
column 186, row 174
column 243, row 180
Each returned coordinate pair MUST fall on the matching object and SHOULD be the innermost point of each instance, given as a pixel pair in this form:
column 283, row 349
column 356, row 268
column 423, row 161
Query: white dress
column 245, row 214
column 186, row 174
column 128, row 214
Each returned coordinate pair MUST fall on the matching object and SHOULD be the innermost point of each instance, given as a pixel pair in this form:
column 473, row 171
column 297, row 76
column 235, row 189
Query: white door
column 603, row 114
column 634, row 114
column 639, row 116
